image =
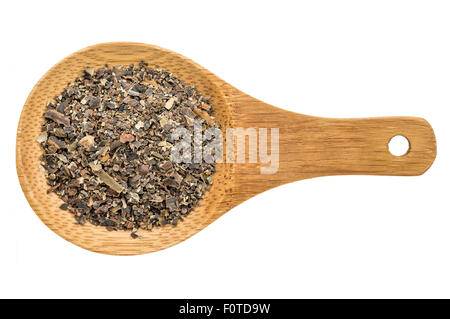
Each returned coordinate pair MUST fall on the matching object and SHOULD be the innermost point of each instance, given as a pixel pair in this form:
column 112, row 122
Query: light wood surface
column 308, row 147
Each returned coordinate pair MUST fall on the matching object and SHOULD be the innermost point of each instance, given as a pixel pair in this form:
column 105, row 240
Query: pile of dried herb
column 107, row 146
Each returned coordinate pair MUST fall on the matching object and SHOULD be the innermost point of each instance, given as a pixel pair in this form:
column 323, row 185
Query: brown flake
column 169, row 103
column 52, row 140
column 42, row 138
column 125, row 137
column 204, row 115
column 105, row 158
column 57, row 117
column 108, row 180
column 90, row 71
column 87, row 141
column 95, row 167
column 206, row 107
column 144, row 169
column 166, row 165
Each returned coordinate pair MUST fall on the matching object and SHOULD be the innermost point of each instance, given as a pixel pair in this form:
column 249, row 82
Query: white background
column 333, row 237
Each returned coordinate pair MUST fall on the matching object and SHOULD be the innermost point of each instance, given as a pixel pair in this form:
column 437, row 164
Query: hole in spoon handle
column 399, row 145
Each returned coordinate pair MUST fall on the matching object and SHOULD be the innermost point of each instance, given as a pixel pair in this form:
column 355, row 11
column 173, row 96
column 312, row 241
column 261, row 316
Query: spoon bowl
column 308, row 147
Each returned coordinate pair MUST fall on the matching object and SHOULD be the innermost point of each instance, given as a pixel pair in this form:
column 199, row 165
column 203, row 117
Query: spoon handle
column 313, row 146
column 360, row 146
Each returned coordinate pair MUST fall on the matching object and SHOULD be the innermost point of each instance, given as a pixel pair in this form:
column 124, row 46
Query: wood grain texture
column 308, row 147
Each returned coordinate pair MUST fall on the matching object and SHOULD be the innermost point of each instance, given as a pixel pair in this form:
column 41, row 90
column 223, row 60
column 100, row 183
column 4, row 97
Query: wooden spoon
column 308, row 147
